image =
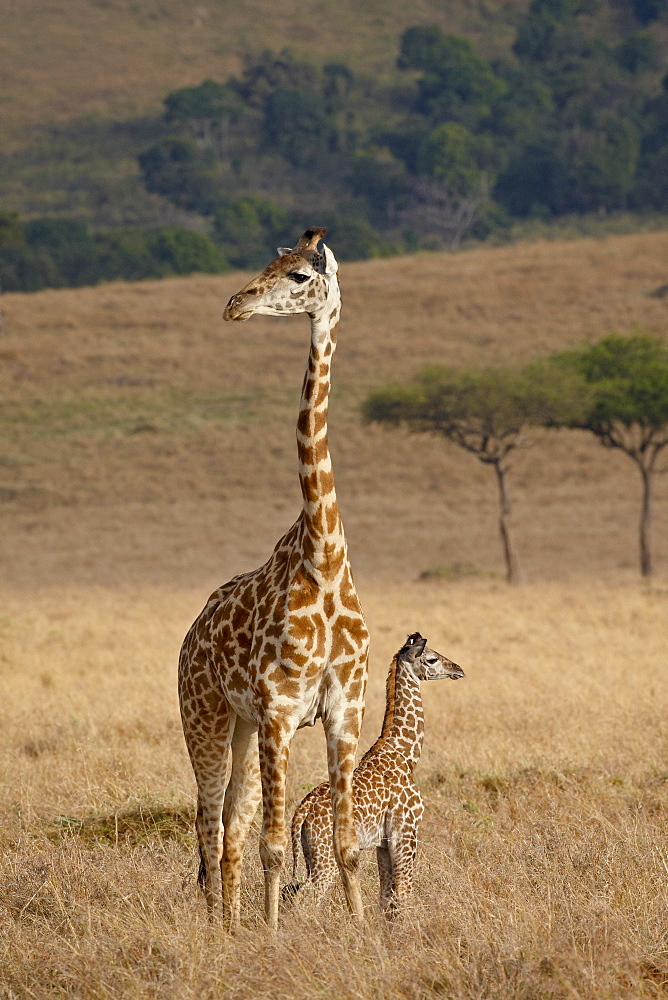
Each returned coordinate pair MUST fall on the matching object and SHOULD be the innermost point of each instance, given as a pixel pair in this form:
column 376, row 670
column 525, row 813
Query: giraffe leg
column 342, row 738
column 321, row 866
column 211, row 775
column 315, row 837
column 242, row 796
column 386, row 878
column 208, row 723
column 402, row 849
column 274, row 748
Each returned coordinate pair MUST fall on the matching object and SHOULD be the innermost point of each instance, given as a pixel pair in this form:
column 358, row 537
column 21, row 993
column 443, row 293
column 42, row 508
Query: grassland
column 147, row 454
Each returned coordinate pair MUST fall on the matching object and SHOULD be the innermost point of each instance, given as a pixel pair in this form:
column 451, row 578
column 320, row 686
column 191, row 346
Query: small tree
column 450, row 186
column 12, row 233
column 437, row 209
column 208, row 111
column 297, row 124
column 627, row 407
column 458, row 84
column 249, row 230
column 179, row 170
column 484, row 412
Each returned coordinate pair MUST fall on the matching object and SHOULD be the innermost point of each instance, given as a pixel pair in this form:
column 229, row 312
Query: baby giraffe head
column 300, row 280
column 427, row 664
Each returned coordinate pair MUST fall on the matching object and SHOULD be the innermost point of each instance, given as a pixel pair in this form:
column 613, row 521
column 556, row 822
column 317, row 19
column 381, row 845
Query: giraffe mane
column 390, row 697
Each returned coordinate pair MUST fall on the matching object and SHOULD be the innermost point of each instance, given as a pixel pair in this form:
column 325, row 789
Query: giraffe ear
column 331, row 264
column 419, row 648
column 284, row 251
column 413, row 648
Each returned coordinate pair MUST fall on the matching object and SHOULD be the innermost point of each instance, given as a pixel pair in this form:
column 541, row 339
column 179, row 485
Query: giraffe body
column 285, row 644
column 388, row 803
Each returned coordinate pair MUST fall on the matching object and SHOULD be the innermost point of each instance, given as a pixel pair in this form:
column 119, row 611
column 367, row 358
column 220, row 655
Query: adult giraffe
column 277, row 648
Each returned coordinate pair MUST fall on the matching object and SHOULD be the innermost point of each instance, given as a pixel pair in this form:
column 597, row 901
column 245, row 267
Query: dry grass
column 148, row 453
column 542, row 863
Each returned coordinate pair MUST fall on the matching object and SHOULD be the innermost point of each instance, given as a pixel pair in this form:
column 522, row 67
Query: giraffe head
column 427, row 664
column 300, row 280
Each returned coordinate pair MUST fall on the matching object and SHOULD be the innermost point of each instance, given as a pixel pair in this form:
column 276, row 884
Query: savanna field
column 147, row 454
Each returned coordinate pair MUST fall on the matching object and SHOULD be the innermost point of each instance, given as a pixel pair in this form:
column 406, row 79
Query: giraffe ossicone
column 388, row 803
column 283, row 645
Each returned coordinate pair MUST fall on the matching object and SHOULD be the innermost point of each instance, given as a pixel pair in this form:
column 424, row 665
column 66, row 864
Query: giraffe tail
column 289, row 891
column 201, row 872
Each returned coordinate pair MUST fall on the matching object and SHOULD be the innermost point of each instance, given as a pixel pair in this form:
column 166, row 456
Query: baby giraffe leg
column 318, row 850
column 386, row 879
column 402, row 851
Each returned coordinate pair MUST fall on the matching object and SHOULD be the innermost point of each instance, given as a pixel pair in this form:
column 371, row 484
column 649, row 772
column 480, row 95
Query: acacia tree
column 627, row 407
column 485, row 412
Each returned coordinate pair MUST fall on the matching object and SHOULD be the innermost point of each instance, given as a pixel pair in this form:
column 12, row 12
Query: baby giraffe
column 388, row 804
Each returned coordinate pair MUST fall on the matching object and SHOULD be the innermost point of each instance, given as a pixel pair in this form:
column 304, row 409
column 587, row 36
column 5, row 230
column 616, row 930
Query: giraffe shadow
column 131, row 827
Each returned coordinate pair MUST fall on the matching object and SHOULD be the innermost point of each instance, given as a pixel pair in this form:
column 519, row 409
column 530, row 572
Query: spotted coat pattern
column 388, row 804
column 277, row 648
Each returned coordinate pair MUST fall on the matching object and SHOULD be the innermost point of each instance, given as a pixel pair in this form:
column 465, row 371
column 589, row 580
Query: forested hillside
column 451, row 138
column 116, row 59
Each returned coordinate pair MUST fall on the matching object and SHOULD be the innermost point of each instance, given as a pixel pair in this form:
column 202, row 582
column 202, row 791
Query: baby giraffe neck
column 403, row 724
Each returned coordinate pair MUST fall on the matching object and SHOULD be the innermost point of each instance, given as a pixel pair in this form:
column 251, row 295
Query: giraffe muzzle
column 235, row 311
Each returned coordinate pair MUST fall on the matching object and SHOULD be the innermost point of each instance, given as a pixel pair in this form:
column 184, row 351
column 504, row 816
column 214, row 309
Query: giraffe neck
column 403, row 725
column 323, row 541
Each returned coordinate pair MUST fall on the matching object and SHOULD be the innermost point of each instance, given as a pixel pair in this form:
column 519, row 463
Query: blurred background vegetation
column 562, row 128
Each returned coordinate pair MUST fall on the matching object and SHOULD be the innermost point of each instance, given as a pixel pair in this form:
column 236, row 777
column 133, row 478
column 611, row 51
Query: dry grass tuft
column 449, row 571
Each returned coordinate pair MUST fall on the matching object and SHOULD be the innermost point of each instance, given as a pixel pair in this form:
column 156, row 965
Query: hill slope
column 143, row 437
column 118, row 58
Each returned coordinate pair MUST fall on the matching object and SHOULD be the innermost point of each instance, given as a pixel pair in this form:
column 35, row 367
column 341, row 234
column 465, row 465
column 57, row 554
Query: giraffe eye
column 299, row 277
